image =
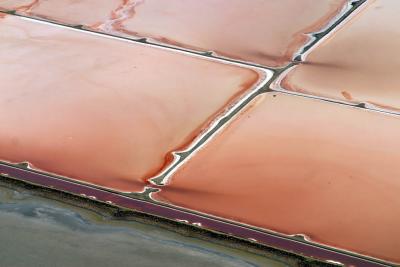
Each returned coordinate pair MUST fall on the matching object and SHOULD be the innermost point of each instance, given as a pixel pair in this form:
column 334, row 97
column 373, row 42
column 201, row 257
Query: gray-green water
column 36, row 231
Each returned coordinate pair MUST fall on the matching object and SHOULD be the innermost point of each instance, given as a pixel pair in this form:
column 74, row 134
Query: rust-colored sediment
column 360, row 58
column 259, row 31
column 269, row 32
column 82, row 12
column 100, row 110
column 115, row 23
column 28, row 7
column 301, row 166
column 21, row 5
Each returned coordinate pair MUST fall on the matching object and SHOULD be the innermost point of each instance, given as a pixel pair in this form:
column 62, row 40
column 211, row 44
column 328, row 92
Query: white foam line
column 347, row 8
column 292, row 237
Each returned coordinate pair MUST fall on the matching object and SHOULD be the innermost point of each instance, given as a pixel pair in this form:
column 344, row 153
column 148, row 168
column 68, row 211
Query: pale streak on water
column 44, row 232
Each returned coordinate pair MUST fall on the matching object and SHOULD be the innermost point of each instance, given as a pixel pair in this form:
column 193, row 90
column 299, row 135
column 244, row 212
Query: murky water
column 295, row 165
column 42, row 232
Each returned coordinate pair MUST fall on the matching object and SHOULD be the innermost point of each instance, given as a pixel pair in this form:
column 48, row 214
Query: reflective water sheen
column 43, row 232
column 109, row 112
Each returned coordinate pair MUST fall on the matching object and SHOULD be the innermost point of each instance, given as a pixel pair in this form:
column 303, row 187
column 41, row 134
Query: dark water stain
column 43, row 232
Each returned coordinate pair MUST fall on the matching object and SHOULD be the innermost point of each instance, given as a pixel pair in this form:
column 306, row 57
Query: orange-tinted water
column 301, row 166
column 99, row 110
column 264, row 32
column 359, row 63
